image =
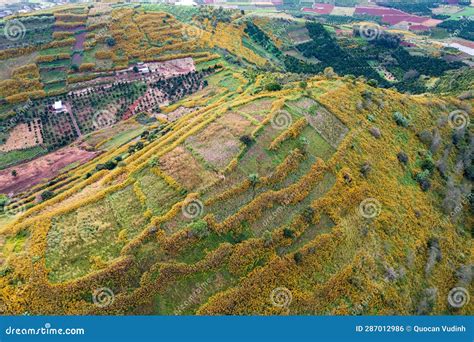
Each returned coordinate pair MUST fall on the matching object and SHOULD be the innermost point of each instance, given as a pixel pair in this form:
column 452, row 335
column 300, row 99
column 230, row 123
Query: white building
column 185, row 3
column 144, row 70
column 58, row 106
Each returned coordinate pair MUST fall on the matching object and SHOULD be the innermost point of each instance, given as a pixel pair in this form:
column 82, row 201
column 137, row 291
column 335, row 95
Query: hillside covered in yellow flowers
column 223, row 174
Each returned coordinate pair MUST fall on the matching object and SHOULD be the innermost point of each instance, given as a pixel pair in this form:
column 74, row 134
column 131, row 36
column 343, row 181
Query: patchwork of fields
column 201, row 158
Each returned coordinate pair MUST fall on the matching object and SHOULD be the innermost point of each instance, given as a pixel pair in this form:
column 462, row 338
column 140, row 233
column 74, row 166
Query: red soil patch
column 80, row 39
column 43, row 168
column 68, row 28
column 389, row 15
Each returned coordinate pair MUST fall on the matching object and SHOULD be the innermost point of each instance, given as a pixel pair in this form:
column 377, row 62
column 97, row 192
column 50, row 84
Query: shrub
column 425, row 184
column 366, row 94
column 200, row 229
column 110, row 41
column 426, row 137
column 402, row 157
column 4, row 200
column 247, row 140
column 153, row 162
column 298, row 257
column 110, row 165
column 52, row 58
column 422, row 175
column 457, row 137
column 103, row 54
column 302, row 145
column 452, row 197
column 373, row 83
column 400, row 119
column 273, row 86
column 375, row 132
column 469, row 172
column 365, row 169
column 308, row 214
column 423, row 179
column 428, row 164
column 288, row 233
column 427, row 302
column 46, row 195
column 62, row 35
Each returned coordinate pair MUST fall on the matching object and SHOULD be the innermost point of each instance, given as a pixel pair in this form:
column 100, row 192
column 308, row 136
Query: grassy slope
column 343, row 267
column 124, row 229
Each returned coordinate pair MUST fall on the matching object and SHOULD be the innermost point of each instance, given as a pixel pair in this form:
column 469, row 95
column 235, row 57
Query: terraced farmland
column 202, row 175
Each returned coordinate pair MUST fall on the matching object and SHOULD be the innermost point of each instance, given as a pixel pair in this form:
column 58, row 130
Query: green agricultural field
column 16, row 243
column 182, row 13
column 14, row 157
column 52, row 75
column 55, row 51
column 58, row 85
column 159, row 195
column 117, row 218
column 122, row 138
column 466, row 12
